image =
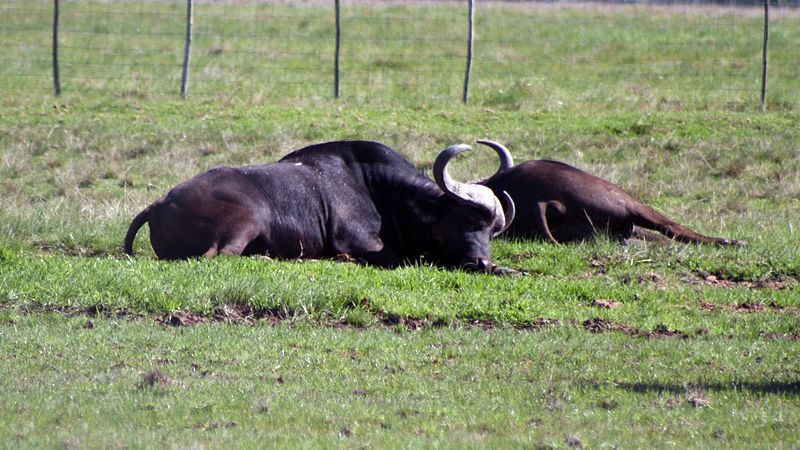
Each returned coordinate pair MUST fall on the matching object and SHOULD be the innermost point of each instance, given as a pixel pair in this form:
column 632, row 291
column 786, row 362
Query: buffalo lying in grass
column 354, row 198
column 561, row 203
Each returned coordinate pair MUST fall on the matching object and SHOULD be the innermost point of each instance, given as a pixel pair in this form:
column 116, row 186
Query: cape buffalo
column 355, row 198
column 563, row 204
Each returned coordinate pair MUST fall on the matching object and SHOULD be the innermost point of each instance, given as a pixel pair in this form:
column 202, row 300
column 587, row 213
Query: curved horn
column 506, row 160
column 463, row 193
column 509, row 209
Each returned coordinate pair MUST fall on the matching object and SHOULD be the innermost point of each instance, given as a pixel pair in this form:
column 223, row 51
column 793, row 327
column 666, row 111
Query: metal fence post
column 470, row 48
column 765, row 59
column 187, row 53
column 56, row 76
column 338, row 51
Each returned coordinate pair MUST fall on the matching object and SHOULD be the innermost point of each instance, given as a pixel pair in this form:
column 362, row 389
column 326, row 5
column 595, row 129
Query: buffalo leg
column 238, row 240
column 367, row 247
column 212, row 251
column 234, row 243
column 649, row 236
column 653, row 220
column 385, row 257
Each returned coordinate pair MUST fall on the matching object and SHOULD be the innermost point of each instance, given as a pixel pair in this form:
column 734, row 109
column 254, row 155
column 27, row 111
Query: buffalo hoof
column 490, row 269
column 506, row 271
column 731, row 242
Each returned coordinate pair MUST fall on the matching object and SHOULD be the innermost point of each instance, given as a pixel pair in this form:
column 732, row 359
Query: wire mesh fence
column 526, row 54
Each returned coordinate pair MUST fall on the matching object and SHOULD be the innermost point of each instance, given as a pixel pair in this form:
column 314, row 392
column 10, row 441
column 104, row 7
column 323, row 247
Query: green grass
column 132, row 383
column 699, row 351
column 528, row 56
column 417, row 356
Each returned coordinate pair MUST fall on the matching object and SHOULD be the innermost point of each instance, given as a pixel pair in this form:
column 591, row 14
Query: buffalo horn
column 509, row 209
column 506, row 160
column 463, row 193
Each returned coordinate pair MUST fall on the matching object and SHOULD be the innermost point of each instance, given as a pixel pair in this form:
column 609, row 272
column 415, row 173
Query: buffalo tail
column 137, row 223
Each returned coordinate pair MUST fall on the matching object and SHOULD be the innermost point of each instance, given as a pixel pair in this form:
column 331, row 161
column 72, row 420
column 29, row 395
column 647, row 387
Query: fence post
column 56, row 76
column 338, row 51
column 187, row 53
column 470, row 47
column 765, row 59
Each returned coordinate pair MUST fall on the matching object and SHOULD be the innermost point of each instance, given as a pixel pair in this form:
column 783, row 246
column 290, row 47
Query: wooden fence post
column 470, row 48
column 187, row 53
column 338, row 51
column 56, row 19
column 765, row 59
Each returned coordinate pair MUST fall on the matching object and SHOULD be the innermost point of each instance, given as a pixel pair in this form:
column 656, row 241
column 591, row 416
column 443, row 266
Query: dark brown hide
column 354, row 198
column 561, row 203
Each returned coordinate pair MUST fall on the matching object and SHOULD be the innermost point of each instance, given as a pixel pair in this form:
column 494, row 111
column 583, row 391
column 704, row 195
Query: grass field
column 597, row 345
column 528, row 56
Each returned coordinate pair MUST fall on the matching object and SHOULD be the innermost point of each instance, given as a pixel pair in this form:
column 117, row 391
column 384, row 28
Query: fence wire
column 526, row 54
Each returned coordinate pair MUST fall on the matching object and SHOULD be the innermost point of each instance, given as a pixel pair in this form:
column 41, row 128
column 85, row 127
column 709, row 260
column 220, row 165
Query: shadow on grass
column 768, row 387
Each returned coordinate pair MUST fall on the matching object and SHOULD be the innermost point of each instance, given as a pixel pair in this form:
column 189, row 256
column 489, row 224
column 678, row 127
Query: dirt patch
column 704, row 278
column 216, row 425
column 155, row 378
column 596, row 325
column 608, row 405
column 246, row 315
column 598, row 265
column 605, row 303
column 236, row 313
column 541, row 323
column 415, row 323
column 394, row 320
column 707, row 306
column 650, row 278
column 749, row 307
column 794, row 336
column 183, row 319
column 232, row 313
column 697, row 399
column 599, row 325
column 783, row 309
column 485, row 325
column 573, row 441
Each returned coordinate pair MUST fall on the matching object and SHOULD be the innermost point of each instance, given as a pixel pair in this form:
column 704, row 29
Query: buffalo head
column 471, row 215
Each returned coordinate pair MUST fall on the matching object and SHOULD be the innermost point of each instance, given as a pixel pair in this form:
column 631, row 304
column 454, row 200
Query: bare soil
column 599, row 325
column 726, row 281
column 246, row 315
